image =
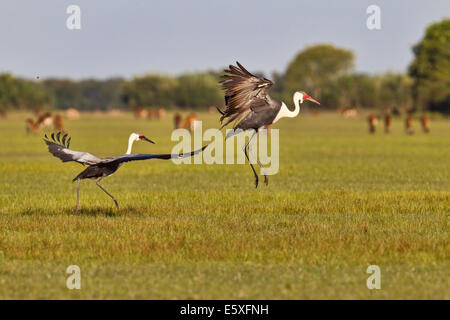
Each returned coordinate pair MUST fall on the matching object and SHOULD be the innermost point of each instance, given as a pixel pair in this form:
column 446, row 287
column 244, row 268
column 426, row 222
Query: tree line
column 324, row 71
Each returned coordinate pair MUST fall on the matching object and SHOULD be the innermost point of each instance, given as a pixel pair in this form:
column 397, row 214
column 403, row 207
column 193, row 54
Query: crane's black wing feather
column 60, row 149
column 244, row 92
column 146, row 156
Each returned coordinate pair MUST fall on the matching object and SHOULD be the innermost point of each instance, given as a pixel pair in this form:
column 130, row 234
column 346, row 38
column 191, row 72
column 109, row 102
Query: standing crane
column 99, row 168
column 248, row 103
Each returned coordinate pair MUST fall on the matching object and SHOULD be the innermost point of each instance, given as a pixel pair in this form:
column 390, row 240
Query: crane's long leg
column 78, row 194
column 266, row 178
column 246, row 155
column 114, row 199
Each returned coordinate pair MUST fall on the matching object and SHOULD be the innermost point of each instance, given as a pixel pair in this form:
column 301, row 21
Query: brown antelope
column 189, row 123
column 151, row 114
column 140, row 113
column 387, row 123
column 177, row 119
column 372, row 120
column 409, row 125
column 37, row 111
column 425, row 120
column 348, row 112
column 58, row 123
column 45, row 121
column 160, row 113
column 3, row 113
column 31, row 126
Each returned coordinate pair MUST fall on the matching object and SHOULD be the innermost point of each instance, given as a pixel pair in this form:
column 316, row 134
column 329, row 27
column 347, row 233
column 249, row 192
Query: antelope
column 372, row 119
column 45, row 121
column 348, row 112
column 177, row 118
column 425, row 120
column 387, row 123
column 140, row 113
column 160, row 113
column 2, row 113
column 409, row 125
column 151, row 114
column 189, row 122
column 31, row 126
column 58, row 123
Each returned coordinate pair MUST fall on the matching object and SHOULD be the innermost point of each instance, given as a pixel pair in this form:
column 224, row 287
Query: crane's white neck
column 131, row 139
column 285, row 112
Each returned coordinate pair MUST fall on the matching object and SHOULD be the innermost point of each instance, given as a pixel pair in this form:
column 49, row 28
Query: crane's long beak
column 148, row 140
column 312, row 100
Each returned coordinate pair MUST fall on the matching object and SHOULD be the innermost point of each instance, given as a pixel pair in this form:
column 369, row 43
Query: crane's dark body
column 248, row 103
column 98, row 171
column 256, row 120
column 99, row 168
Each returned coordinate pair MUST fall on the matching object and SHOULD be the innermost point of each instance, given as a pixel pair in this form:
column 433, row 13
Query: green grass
column 343, row 200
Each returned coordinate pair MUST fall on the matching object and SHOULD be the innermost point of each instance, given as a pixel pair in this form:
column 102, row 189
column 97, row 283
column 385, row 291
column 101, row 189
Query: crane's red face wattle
column 307, row 97
column 142, row 137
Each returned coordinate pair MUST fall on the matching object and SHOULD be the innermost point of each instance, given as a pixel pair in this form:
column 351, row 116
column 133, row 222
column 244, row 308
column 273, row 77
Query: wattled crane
column 99, row 168
column 249, row 104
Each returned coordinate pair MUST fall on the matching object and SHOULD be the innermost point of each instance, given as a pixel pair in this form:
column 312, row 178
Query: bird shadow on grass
column 105, row 211
column 87, row 211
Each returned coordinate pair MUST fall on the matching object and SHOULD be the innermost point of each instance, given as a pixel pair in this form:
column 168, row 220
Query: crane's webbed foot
column 266, row 180
column 256, row 181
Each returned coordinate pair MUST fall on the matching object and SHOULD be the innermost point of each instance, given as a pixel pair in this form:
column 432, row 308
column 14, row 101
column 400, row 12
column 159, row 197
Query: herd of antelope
column 150, row 114
column 409, row 123
column 51, row 121
column 178, row 121
column 188, row 123
column 44, row 121
column 158, row 114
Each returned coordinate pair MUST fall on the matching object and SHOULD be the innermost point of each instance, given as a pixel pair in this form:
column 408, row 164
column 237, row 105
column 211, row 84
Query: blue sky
column 125, row 38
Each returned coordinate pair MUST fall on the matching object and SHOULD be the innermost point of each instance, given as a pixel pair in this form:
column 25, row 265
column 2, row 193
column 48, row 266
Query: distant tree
column 316, row 69
column 149, row 90
column 85, row 94
column 278, row 89
column 9, row 91
column 395, row 91
column 431, row 69
column 101, row 94
column 66, row 93
column 357, row 90
column 17, row 93
column 198, row 91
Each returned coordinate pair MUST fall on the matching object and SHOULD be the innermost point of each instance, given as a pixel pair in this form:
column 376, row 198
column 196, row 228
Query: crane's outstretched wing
column 244, row 92
column 59, row 147
column 144, row 156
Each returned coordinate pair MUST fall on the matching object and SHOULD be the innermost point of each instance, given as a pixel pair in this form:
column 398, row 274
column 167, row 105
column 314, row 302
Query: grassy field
column 343, row 200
